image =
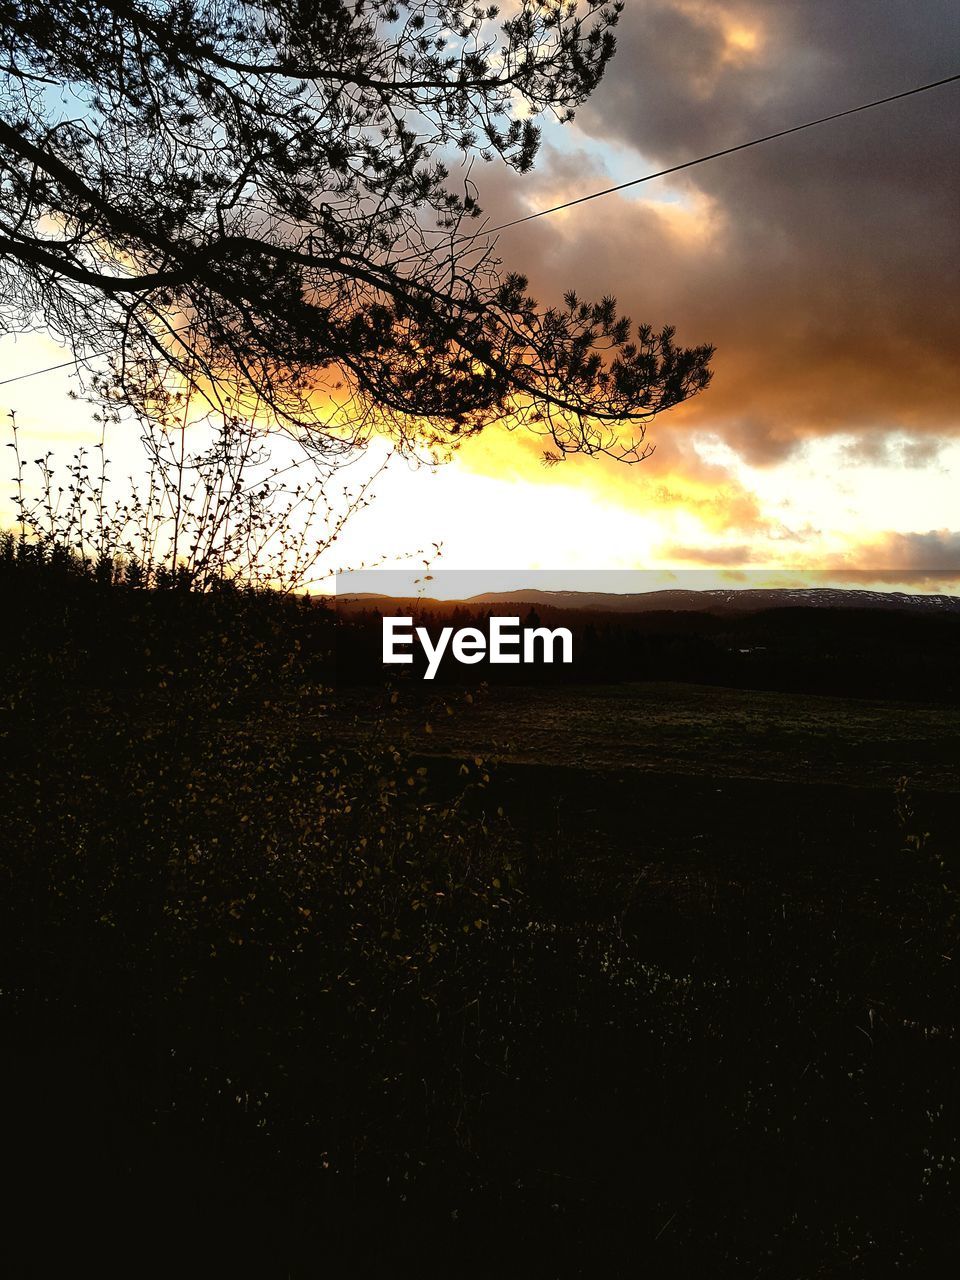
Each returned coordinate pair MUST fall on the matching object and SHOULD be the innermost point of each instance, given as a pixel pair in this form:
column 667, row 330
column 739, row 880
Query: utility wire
column 66, row 364
column 622, row 186
column 727, row 151
column 49, row 369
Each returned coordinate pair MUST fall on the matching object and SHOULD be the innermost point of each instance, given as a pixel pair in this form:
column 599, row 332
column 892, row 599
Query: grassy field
column 700, row 731
column 636, row 980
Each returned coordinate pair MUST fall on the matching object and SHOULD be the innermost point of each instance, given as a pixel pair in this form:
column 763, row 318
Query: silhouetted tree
column 227, row 191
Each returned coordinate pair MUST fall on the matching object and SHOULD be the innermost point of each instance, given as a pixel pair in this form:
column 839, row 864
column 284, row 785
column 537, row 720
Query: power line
column 714, row 155
column 596, row 195
column 50, row 368
column 66, row 364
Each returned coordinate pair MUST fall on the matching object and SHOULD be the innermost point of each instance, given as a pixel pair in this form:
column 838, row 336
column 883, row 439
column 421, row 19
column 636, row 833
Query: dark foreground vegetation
column 285, row 995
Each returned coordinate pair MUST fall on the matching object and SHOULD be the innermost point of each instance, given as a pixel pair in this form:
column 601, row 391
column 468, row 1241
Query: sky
column 824, row 267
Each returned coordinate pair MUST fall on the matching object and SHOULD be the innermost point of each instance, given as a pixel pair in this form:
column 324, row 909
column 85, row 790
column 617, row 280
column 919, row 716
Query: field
column 672, row 777
column 606, row 980
column 702, row 731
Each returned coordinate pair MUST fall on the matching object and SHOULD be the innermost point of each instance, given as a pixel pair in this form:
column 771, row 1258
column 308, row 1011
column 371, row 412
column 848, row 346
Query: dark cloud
column 824, row 266
column 929, row 561
column 878, row 450
column 711, row 556
column 936, row 551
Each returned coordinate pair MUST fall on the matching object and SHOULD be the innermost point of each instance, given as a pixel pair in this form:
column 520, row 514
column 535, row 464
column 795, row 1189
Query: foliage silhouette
column 203, row 515
column 260, row 193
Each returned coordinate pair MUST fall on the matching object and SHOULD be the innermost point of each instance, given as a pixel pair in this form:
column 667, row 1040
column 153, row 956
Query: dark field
column 697, row 731
column 600, row 981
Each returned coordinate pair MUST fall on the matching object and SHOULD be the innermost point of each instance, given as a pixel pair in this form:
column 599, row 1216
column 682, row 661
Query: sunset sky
column 825, row 267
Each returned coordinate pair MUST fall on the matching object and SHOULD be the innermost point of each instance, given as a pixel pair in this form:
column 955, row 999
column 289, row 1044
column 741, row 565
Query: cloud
column 824, row 265
column 937, row 551
column 928, row 561
column 879, row 450
column 675, row 480
column 728, row 556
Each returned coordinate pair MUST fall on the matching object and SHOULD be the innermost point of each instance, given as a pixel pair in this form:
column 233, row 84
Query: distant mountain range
column 748, row 600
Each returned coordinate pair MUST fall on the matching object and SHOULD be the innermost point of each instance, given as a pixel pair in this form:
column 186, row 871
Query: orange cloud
column 823, row 266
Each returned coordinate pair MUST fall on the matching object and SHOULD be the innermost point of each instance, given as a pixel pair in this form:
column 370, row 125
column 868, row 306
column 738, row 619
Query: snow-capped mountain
column 748, row 600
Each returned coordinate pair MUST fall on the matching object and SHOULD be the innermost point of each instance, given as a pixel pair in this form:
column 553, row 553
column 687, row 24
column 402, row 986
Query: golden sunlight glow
column 741, row 39
column 694, row 505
